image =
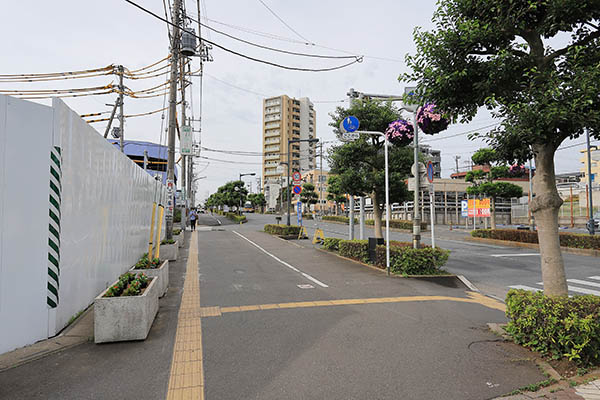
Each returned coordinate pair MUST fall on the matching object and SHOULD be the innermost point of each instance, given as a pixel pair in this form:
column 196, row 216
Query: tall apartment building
column 286, row 118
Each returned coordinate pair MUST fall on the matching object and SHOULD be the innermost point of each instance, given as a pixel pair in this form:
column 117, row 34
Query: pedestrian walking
column 193, row 217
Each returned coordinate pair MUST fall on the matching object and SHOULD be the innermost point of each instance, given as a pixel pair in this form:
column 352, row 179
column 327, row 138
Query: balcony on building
column 273, row 117
column 272, row 132
column 272, row 125
column 273, row 102
column 271, row 157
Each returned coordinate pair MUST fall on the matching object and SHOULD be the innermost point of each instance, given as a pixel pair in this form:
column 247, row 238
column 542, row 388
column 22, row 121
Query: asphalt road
column 493, row 269
column 388, row 350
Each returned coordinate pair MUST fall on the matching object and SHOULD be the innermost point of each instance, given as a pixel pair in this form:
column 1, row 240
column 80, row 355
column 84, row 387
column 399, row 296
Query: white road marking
column 580, row 282
column 467, row 283
column 215, row 218
column 306, row 286
column 583, row 290
column 307, row 276
column 516, row 255
column 525, row 288
column 594, row 277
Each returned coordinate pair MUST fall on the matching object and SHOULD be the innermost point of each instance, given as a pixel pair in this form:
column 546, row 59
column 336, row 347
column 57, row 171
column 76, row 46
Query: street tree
column 484, row 180
column 498, row 54
column 233, row 193
column 257, row 200
column 360, row 164
column 335, row 192
column 308, row 195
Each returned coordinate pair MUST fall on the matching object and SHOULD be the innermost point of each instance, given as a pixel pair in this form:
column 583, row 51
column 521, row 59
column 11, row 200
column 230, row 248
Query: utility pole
column 591, row 227
column 456, row 158
column 121, row 115
column 321, row 182
column 185, row 178
column 172, row 118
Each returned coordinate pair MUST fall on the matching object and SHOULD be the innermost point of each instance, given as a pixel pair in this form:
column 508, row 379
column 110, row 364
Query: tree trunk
column 545, row 207
column 377, row 211
column 493, row 213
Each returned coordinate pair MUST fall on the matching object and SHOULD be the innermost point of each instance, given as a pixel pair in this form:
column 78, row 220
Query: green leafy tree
column 360, row 164
column 496, row 54
column 233, row 193
column 257, row 200
column 484, row 184
column 335, row 192
column 308, row 195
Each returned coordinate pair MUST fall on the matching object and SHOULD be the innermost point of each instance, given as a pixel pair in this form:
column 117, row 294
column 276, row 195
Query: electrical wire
column 56, row 91
column 133, row 71
column 131, row 115
column 272, row 48
column 282, row 21
column 57, row 74
column 358, row 60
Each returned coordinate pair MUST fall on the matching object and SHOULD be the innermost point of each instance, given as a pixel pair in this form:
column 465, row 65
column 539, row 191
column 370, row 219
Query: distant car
column 597, row 220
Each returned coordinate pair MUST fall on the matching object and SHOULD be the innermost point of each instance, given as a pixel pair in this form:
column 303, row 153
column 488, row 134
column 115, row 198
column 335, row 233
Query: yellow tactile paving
column 476, row 298
column 186, row 380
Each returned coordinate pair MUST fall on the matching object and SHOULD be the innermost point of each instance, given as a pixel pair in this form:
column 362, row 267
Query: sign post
column 431, row 202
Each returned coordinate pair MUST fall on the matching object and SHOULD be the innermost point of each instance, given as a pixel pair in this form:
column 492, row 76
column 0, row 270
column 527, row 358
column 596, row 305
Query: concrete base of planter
column 162, row 273
column 169, row 251
column 179, row 239
column 118, row 319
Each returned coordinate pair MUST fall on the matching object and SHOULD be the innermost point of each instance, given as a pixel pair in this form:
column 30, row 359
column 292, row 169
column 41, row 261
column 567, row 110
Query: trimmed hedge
column 235, row 218
column 575, row 240
column 394, row 223
column 408, row 261
column 282, row 230
column 332, row 244
column 556, row 327
column 355, row 249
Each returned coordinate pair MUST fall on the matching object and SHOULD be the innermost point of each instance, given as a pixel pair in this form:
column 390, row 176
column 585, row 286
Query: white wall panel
column 106, row 206
column 106, row 212
column 25, row 139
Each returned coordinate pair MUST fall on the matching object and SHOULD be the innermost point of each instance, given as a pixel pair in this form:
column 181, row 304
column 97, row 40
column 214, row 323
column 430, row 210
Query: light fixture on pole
column 289, row 162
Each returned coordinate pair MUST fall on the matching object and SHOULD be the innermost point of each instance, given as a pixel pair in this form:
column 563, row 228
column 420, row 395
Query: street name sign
column 350, row 136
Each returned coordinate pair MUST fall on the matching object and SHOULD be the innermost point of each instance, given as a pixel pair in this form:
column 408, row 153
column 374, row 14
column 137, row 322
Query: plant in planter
column 431, row 120
column 126, row 310
column 400, row 132
column 155, row 268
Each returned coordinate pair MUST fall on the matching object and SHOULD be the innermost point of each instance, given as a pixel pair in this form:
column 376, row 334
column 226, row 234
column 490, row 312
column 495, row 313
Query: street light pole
column 250, row 174
column 591, row 227
column 416, row 211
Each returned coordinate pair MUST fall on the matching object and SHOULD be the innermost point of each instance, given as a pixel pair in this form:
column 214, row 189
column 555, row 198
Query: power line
column 357, row 60
column 283, row 22
column 294, row 53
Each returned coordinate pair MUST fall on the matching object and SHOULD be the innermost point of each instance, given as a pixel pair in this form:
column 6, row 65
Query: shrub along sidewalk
column 571, row 240
column 404, row 260
column 282, row 230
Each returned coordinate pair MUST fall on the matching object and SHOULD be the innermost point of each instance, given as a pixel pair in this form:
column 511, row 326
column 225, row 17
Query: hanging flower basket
column 400, row 132
column 517, row 171
column 430, row 120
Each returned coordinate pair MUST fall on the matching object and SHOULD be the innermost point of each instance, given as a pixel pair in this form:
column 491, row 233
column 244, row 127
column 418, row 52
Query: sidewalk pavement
column 560, row 391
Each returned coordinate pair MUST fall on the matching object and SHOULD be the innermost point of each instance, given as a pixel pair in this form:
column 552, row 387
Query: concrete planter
column 169, row 251
column 118, row 319
column 179, row 239
column 162, row 273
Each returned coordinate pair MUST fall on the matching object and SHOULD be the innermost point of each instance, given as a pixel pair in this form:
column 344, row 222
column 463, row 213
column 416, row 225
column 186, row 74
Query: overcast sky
column 73, row 35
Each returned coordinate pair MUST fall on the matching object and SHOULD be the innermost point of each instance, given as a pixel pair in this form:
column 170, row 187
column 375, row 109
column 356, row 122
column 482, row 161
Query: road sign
column 297, row 189
column 186, row 141
column 430, row 172
column 296, row 176
column 349, row 124
column 464, row 208
column 422, row 170
column 350, row 136
column 299, row 209
column 423, row 184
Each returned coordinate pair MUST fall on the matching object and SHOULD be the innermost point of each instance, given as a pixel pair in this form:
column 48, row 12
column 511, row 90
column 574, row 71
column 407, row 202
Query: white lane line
column 307, row 276
column 215, row 218
column 594, row 277
column 525, row 288
column 580, row 282
column 584, row 291
column 516, row 255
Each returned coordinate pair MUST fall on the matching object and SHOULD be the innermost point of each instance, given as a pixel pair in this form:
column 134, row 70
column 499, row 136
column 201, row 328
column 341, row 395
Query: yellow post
column 319, row 236
column 150, row 243
column 160, row 218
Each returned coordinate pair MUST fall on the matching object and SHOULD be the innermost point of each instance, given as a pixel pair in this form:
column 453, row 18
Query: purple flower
column 400, row 132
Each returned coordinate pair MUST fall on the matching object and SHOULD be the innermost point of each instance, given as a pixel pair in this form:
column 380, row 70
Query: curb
column 71, row 336
column 508, row 243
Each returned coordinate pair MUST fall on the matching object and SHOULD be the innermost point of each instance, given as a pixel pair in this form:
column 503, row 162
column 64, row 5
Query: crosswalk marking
column 583, row 290
column 580, row 282
column 571, row 288
column 525, row 288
